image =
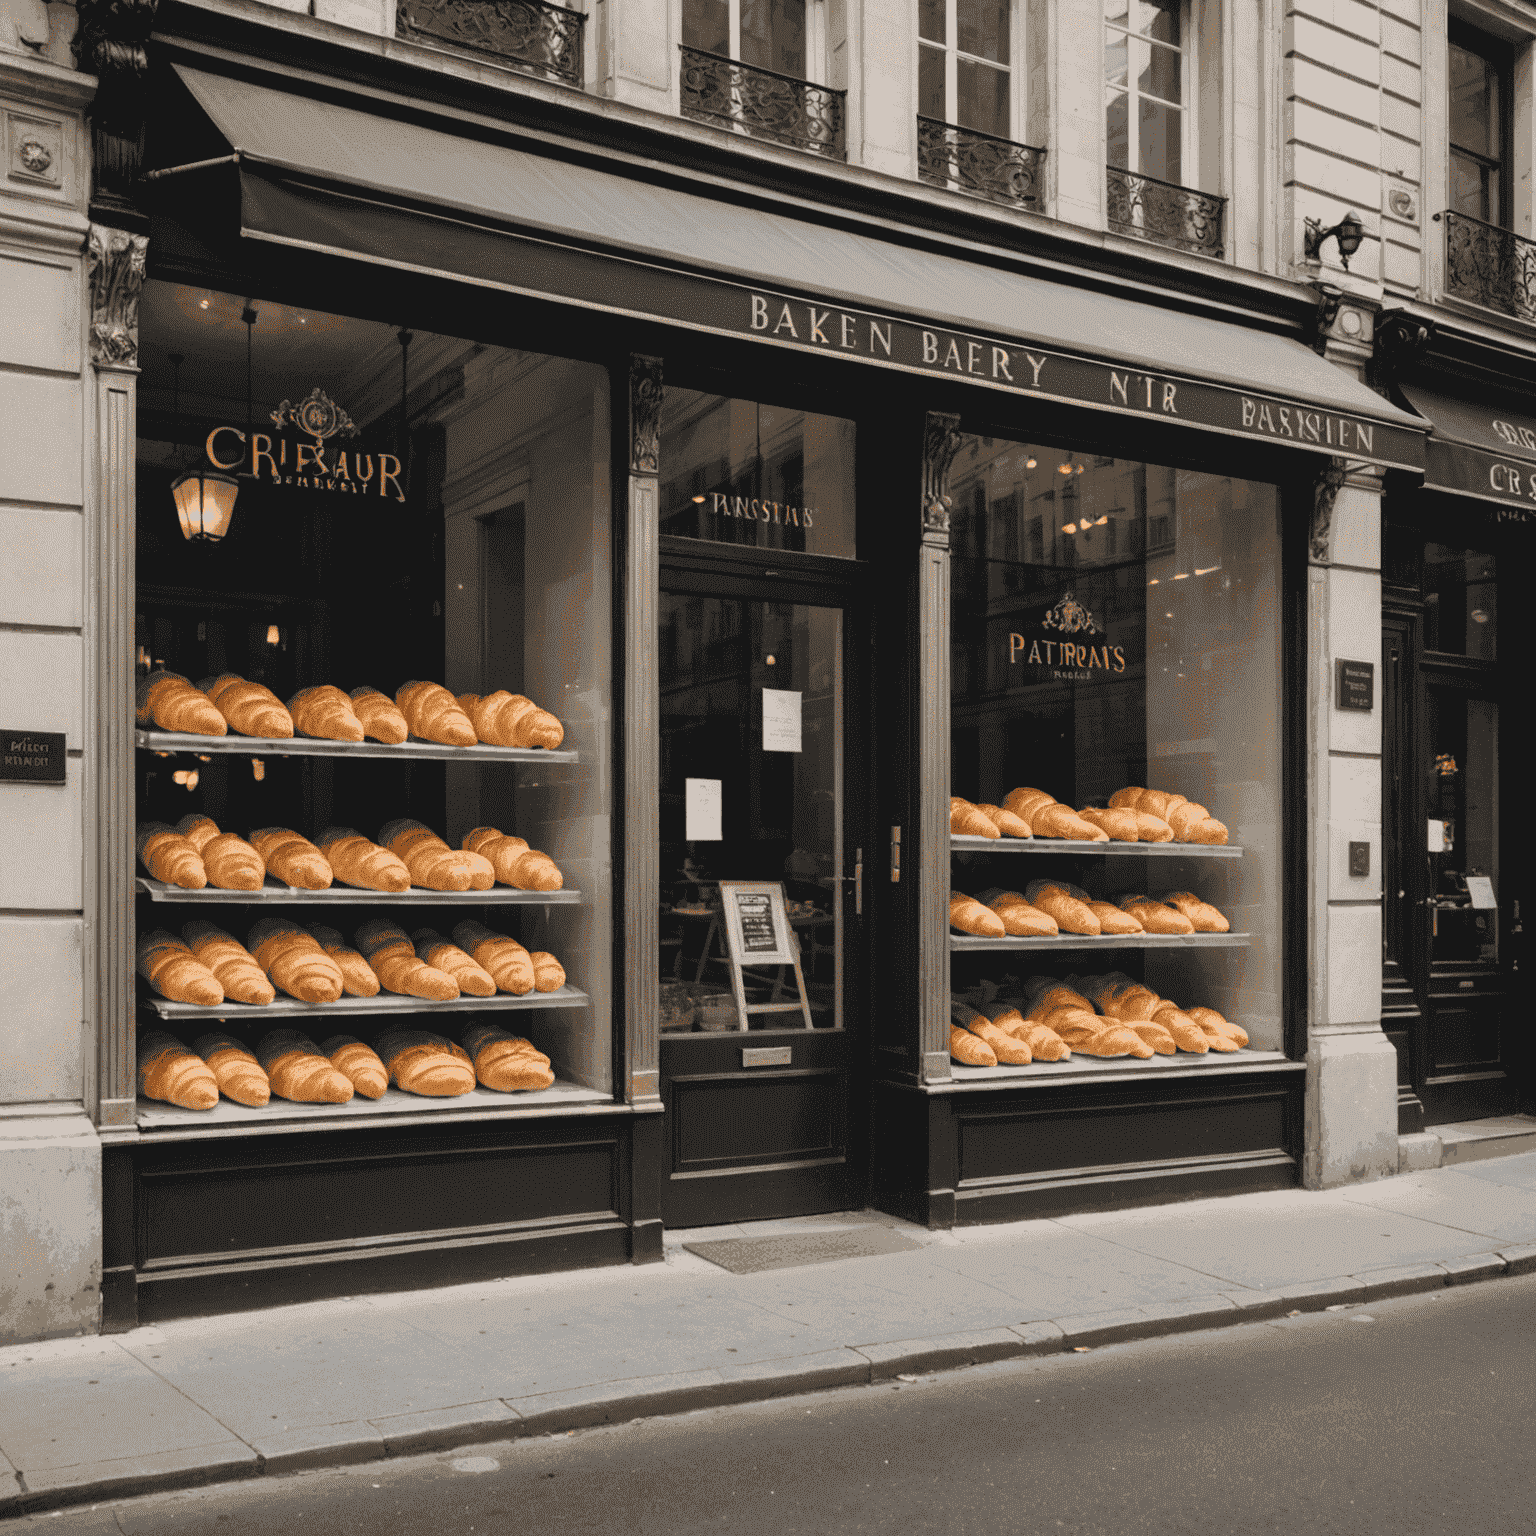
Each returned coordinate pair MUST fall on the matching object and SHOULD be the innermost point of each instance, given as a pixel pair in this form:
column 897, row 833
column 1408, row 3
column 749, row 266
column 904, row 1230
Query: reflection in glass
column 773, row 35
column 983, row 93
column 981, row 29
column 964, row 77
column 1144, row 65
column 1462, row 794
column 1460, row 601
column 707, row 25
column 1475, row 135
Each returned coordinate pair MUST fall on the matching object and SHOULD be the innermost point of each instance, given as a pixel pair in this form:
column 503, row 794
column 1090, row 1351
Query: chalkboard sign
column 1355, row 685
column 757, row 933
column 31, row 757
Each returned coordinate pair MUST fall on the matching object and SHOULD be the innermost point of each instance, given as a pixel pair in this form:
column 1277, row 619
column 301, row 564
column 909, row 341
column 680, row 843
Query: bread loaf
column 1155, row 1035
column 432, row 864
column 969, row 916
column 325, row 712
column 505, row 1062
column 252, row 708
column 1152, row 829
column 169, row 701
column 965, row 820
column 970, row 1050
column 548, row 973
column 171, row 968
column 433, row 714
column 170, row 857
column 1043, row 993
column 1009, row 1049
column 294, row 962
column 230, row 863
column 1005, row 821
column 388, row 949
column 379, row 716
column 1155, row 916
column 1019, row 918
column 358, row 1063
column 1208, row 1020
column 505, row 719
column 1160, row 802
column 357, row 862
column 1062, row 821
column 357, row 978
column 1203, row 917
column 1066, row 903
column 292, row 859
column 426, row 1064
column 171, row 1073
column 507, row 961
column 300, row 1071
column 237, row 1072
column 233, row 966
column 513, row 862
column 1119, row 825
column 1024, row 802
column 1126, row 799
column 1112, row 920
column 434, row 950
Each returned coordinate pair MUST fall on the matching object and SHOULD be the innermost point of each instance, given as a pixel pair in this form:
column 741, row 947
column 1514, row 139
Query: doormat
column 753, row 1255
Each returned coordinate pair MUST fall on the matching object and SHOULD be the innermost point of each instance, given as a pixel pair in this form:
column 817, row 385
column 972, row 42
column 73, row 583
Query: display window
column 1115, row 764
column 373, row 776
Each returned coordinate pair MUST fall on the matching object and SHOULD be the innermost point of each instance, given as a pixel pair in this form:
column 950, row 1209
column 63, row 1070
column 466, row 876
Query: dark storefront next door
column 763, row 770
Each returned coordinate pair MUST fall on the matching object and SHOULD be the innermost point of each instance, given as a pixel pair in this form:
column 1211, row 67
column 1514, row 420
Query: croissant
column 969, row 916
column 299, row 1071
column 1187, row 1034
column 434, row 950
column 1155, row 1035
column 424, row 1063
column 1019, row 918
column 1152, row 829
column 1208, row 1019
column 1203, row 917
column 504, row 719
column 1120, row 825
column 1101, row 1037
column 1055, row 995
column 379, row 716
column 168, row 1071
column 967, row 820
column 1043, row 1041
column 237, row 1072
column 229, row 861
column 389, row 951
column 326, row 712
column 504, row 1061
column 1189, row 827
column 433, row 714
column 431, row 862
column 292, row 859
column 168, row 856
column 168, row 700
column 171, row 968
column 1155, row 916
column 1127, row 799
column 548, row 973
column 1066, row 903
column 357, row 862
column 233, row 966
column 252, row 708
column 970, row 1050
column 294, row 963
column 1160, row 802
column 513, row 862
column 1112, row 920
column 357, row 978
column 1005, row 821
column 358, row 1063
column 508, row 962
column 1061, row 821
column 1025, row 802
column 1008, row 1048
column 1118, row 997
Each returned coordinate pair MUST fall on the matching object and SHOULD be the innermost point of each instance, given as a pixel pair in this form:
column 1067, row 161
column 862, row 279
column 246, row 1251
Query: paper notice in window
column 1480, row 889
column 781, row 720
column 1437, row 837
column 701, row 800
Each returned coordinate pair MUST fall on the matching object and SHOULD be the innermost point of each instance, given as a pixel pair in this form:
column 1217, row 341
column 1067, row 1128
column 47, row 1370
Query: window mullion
column 735, row 29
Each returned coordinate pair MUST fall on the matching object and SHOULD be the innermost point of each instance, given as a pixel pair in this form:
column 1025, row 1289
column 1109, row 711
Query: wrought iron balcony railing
column 763, row 103
column 530, row 35
column 970, row 161
column 1490, row 266
column 1157, row 210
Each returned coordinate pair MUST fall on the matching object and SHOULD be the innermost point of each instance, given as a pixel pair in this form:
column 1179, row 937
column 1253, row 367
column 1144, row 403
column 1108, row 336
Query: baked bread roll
column 507, row 961
column 1024, row 802
column 1043, row 993
column 388, row 949
column 1116, row 996
column 965, row 820
column 513, row 862
column 1061, row 821
column 970, row 1050
column 1009, row 1049
column 234, row 967
column 1155, row 1035
column 433, row 865
column 548, row 973
column 236, row 1071
column 1068, row 904
column 292, row 859
column 1112, row 920
column 171, row 1073
column 1020, row 919
column 357, row 978
column 1160, row 802
column 357, row 862
column 325, row 712
column 1174, row 1018
column 1152, row 829
column 171, row 968
column 168, row 700
column 252, row 708
column 300, row 1071
column 1208, row 1020
column 1155, row 916
column 230, row 862
column 1126, row 799
column 1194, row 824
column 358, row 1063
column 379, row 716
column 433, row 714
column 503, row 719
column 1005, row 821
column 1118, row 824
column 434, row 950
column 168, row 856
column 506, row 1062
column 294, row 963
column 1203, row 917
column 426, row 1064
column 969, row 916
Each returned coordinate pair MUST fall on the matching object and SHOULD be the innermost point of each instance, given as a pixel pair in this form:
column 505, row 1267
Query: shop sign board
column 1354, row 685
column 31, row 757
column 1068, row 643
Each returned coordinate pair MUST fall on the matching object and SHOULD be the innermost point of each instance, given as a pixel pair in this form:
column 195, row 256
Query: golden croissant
column 171, row 968
column 230, row 862
column 1113, row 920
column 325, row 712
column 969, row 916
column 965, row 820
column 388, row 949
column 970, row 1050
column 168, row 700
column 503, row 719
column 1018, row 917
column 513, row 862
column 1203, row 917
column 507, row 961
column 170, row 857
column 252, row 708
column 294, row 961
column 1024, row 802
column 357, row 978
column 1209, row 1020
column 548, row 973
column 379, row 716
column 1004, row 820
column 357, row 862
column 1119, row 824
column 434, row 950
column 1066, row 903
column 358, row 1063
column 506, row 1062
column 239, row 1075
column 299, row 1071
column 432, row 864
column 233, row 966
column 423, row 1063
column 168, row 1071
column 434, row 714
column 292, row 859
column 1156, row 916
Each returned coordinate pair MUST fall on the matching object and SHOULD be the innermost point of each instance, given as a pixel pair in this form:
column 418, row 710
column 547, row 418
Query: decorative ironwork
column 317, row 415
column 1490, row 266
column 763, row 103
column 969, row 161
column 1157, row 210
column 941, row 442
column 116, row 265
column 532, row 35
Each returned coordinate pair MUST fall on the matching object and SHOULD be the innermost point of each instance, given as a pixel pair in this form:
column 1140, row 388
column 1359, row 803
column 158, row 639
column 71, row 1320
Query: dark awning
column 1477, row 450
column 421, row 196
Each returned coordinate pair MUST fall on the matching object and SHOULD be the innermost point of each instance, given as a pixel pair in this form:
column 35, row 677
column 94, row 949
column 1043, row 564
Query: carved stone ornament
column 117, row 278
column 644, row 415
column 1324, row 494
column 1402, row 339
column 34, row 155
column 941, row 442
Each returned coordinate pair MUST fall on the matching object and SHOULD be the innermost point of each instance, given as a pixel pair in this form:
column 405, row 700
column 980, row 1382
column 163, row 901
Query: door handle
column 856, row 879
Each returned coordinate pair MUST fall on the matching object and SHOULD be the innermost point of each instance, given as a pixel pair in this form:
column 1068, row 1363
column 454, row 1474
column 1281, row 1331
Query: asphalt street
column 1405, row 1416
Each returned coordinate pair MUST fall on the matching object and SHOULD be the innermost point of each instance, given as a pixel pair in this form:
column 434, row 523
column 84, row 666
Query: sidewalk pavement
column 327, row 1383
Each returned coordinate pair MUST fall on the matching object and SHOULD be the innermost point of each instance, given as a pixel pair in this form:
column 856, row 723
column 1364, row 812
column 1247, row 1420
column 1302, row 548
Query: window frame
column 1012, row 67
column 1495, row 52
column 815, row 38
column 1188, row 105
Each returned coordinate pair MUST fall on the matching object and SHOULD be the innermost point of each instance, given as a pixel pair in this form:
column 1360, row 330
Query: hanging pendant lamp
column 205, row 498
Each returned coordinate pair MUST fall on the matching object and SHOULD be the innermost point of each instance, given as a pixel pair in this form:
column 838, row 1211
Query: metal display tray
column 310, row 746
column 961, row 844
column 274, row 892
column 353, row 1007
column 962, row 943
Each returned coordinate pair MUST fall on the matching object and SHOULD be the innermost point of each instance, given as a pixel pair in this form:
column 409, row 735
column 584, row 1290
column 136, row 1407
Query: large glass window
column 1479, row 104
column 767, row 34
column 1146, row 74
column 965, row 64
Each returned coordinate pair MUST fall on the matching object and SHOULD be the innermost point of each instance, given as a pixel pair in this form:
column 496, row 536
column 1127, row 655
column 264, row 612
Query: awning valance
column 339, row 178
column 1484, row 451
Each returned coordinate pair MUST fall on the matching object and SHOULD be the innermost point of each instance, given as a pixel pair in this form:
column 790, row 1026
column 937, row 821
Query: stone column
column 637, row 57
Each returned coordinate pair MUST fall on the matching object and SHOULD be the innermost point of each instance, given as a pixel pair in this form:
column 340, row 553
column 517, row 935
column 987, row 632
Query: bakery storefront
column 636, row 729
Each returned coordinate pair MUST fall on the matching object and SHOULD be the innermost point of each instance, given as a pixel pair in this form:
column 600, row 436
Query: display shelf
column 310, row 746
column 1078, row 1068
column 964, row 943
column 960, row 844
column 273, row 893
column 354, row 1007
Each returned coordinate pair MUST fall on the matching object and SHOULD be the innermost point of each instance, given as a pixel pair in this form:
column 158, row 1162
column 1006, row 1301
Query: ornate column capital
column 645, row 394
column 941, row 442
column 116, row 265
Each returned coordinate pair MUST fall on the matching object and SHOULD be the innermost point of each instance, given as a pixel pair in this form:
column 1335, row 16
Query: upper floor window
column 1145, row 70
column 767, row 34
column 1479, row 126
column 964, row 73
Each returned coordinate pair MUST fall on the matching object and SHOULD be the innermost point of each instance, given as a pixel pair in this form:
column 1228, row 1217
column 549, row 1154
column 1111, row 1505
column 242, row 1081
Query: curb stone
column 1401, row 1280
column 1476, row 1266
column 945, row 1352
column 324, row 1445
column 1520, row 1260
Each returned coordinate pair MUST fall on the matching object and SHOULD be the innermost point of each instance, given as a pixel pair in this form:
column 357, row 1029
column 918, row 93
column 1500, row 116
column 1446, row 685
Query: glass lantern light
column 205, row 503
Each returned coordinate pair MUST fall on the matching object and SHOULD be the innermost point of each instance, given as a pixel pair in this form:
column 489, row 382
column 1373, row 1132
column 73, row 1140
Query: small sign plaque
column 31, row 757
column 1480, row 889
column 1354, row 685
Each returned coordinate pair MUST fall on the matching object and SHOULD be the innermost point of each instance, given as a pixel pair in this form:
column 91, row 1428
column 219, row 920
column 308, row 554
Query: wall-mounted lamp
column 1349, row 232
column 205, row 499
